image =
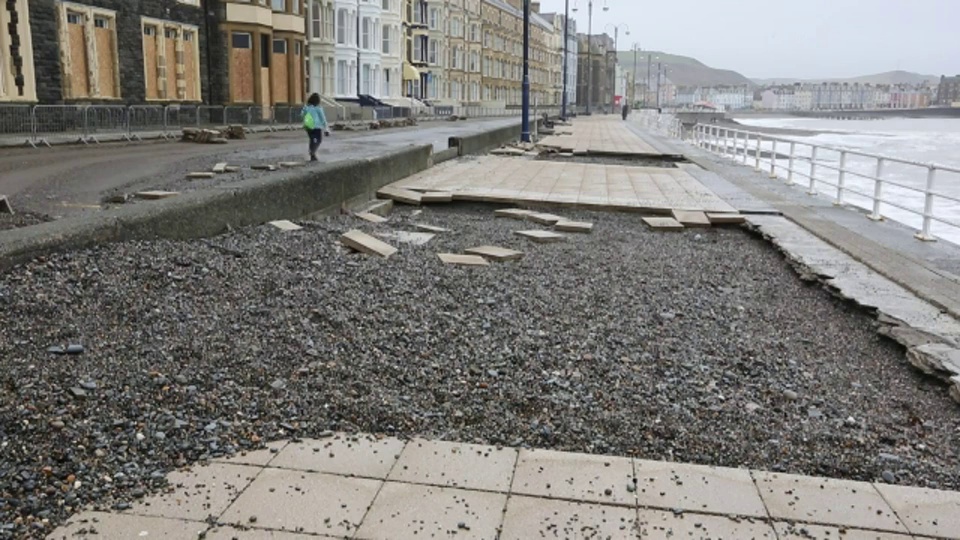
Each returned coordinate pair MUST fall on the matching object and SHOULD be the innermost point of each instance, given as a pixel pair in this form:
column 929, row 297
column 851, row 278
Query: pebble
column 74, row 349
column 791, row 395
column 889, row 477
column 78, row 392
column 57, row 349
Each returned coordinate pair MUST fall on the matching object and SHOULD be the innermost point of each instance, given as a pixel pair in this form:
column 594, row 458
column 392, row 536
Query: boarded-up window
column 171, row 61
column 241, row 67
column 88, row 37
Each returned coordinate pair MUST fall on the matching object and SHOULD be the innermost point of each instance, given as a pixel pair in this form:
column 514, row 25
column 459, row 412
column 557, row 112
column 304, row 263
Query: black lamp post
column 590, row 49
column 566, row 56
column 525, row 130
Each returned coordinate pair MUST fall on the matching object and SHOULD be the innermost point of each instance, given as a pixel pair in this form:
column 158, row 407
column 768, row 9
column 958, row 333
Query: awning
column 410, row 73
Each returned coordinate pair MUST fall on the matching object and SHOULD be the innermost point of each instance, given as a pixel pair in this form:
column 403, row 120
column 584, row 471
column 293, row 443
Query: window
column 279, row 5
column 433, row 52
column 264, row 51
column 366, row 33
column 279, row 46
column 386, row 4
column 342, row 26
column 386, row 83
column 188, row 37
column 74, row 18
column 433, row 18
column 386, row 39
column 316, row 20
column 170, row 33
column 150, row 30
column 240, row 41
column 341, row 77
column 328, row 24
column 101, row 22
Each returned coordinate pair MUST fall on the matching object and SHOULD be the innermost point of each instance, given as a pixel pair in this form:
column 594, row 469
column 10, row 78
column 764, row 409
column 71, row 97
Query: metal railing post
column 877, row 191
column 813, row 172
column 841, row 179
column 773, row 160
column 746, row 147
column 924, row 234
column 793, row 153
column 756, row 165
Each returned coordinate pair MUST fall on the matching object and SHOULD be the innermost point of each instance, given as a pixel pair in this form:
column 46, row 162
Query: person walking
column 315, row 124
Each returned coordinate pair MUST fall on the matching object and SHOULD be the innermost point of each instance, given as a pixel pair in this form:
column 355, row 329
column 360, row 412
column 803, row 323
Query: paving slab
column 513, row 213
column 220, row 168
column 227, row 532
column 495, row 253
column 429, row 228
column 312, row 503
column 200, row 175
column 926, row 512
column 382, row 208
column 232, row 169
column 574, row 227
column 372, row 218
column 285, row 225
column 542, row 237
column 416, row 512
column 260, row 458
column 661, row 524
column 291, row 164
column 349, row 455
column 826, row 501
column 529, row 517
column 727, row 219
column 400, row 195
column 124, row 526
column 156, row 194
column 697, row 488
column 436, row 197
column 575, row 477
column 544, row 218
column 468, row 466
column 364, row 243
column 689, row 218
column 405, row 237
column 198, row 493
column 805, row 531
column 462, row 260
column 5, row 206
column 663, row 223
column 264, row 167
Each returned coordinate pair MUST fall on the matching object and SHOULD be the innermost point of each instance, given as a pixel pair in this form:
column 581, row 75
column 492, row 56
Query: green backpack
column 308, row 121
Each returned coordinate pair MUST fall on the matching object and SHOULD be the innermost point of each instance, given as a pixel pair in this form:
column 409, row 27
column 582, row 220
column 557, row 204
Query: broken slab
column 663, row 223
column 364, row 243
column 404, row 237
column 495, row 253
column 220, row 168
column 401, row 195
column 156, row 194
column 291, row 164
column 285, row 225
column 380, row 208
column 463, row 260
column 199, row 175
column 544, row 219
column 513, row 213
column 372, row 218
column 264, row 167
column 429, row 228
column 689, row 218
column 436, row 197
column 541, row 237
column 231, row 169
column 574, row 226
column 5, row 207
column 726, row 219
column 508, row 151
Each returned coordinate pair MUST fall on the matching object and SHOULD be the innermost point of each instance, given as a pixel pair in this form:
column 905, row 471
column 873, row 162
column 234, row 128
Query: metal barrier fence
column 44, row 125
column 904, row 190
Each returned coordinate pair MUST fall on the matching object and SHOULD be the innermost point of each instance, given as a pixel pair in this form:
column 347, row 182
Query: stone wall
column 43, row 24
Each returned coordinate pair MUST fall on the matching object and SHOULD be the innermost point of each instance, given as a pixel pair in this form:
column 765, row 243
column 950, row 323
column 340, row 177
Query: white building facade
column 391, row 49
column 321, row 47
column 370, row 47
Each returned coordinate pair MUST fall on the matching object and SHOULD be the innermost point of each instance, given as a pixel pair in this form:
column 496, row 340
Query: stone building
column 596, row 71
column 948, row 93
column 18, row 82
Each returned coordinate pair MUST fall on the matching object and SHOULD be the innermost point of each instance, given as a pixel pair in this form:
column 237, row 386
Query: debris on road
column 372, row 218
column 401, row 195
column 513, row 213
column 200, row 175
column 462, row 260
column 495, row 253
column 542, row 237
column 429, row 228
column 726, row 219
column 220, row 168
column 291, row 164
column 264, row 167
column 663, row 223
column 5, row 207
column 364, row 243
column 436, row 197
column 156, row 194
column 285, row 225
column 692, row 219
column 544, row 218
column 574, row 226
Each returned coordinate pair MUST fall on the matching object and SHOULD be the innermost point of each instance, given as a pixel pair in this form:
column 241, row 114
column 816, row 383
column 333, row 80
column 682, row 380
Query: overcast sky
column 786, row 38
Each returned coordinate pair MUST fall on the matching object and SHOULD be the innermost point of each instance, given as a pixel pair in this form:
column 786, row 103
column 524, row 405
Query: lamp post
column 633, row 83
column 525, row 129
column 590, row 48
column 566, row 57
column 616, row 49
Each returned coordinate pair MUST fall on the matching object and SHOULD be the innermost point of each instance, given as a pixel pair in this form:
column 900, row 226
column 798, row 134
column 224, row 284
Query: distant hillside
column 890, row 77
column 681, row 70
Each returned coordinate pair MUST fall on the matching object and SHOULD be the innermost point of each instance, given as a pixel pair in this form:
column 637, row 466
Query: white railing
column 660, row 123
column 871, row 181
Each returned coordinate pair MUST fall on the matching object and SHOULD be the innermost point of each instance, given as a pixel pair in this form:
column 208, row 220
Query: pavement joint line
column 383, row 483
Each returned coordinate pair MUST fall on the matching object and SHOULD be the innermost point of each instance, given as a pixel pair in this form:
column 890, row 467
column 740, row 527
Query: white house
column 371, row 45
column 391, row 49
column 321, row 46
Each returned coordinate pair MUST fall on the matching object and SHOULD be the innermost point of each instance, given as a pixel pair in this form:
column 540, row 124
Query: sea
column 923, row 140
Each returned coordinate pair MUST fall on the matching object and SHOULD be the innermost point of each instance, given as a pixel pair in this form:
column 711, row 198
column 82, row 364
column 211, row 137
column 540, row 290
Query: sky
column 788, row 38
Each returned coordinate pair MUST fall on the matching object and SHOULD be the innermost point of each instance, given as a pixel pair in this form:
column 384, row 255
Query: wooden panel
column 191, row 69
column 107, row 62
column 79, row 83
column 170, row 58
column 241, row 75
column 150, row 65
column 279, row 75
column 296, row 96
column 265, row 89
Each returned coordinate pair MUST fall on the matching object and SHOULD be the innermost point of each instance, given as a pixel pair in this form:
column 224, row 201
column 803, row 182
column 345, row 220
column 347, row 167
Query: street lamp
column 616, row 49
column 566, row 57
column 590, row 48
column 633, row 83
column 525, row 127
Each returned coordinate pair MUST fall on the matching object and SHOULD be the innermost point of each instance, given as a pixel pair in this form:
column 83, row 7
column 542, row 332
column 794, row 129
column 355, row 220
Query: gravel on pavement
column 702, row 346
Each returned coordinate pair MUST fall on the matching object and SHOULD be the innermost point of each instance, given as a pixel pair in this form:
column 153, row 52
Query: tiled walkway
column 386, row 488
column 519, row 180
column 599, row 135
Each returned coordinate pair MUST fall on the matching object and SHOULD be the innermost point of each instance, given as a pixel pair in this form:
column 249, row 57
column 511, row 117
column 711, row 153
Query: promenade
column 660, row 374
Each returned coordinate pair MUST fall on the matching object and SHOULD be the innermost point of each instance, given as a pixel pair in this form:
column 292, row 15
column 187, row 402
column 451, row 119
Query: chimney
column 535, row 7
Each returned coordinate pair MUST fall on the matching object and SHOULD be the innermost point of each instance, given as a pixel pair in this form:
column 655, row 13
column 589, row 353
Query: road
column 50, row 183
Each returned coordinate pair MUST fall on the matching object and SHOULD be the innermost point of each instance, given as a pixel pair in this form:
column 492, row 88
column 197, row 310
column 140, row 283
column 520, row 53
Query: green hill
column 681, row 70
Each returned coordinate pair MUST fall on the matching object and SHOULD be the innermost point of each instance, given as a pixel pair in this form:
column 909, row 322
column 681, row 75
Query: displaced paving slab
column 404, row 237
column 542, row 237
column 5, row 206
column 689, row 218
column 462, row 260
column 401, row 195
column 436, row 197
column 574, row 226
column 220, row 168
column 285, row 225
column 381, row 208
column 544, row 218
column 496, row 253
column 264, row 167
column 726, row 219
column 200, row 175
column 513, row 213
column 429, row 228
column 156, row 194
column 372, row 218
column 231, row 169
column 663, row 223
column 291, row 164
column 364, row 243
